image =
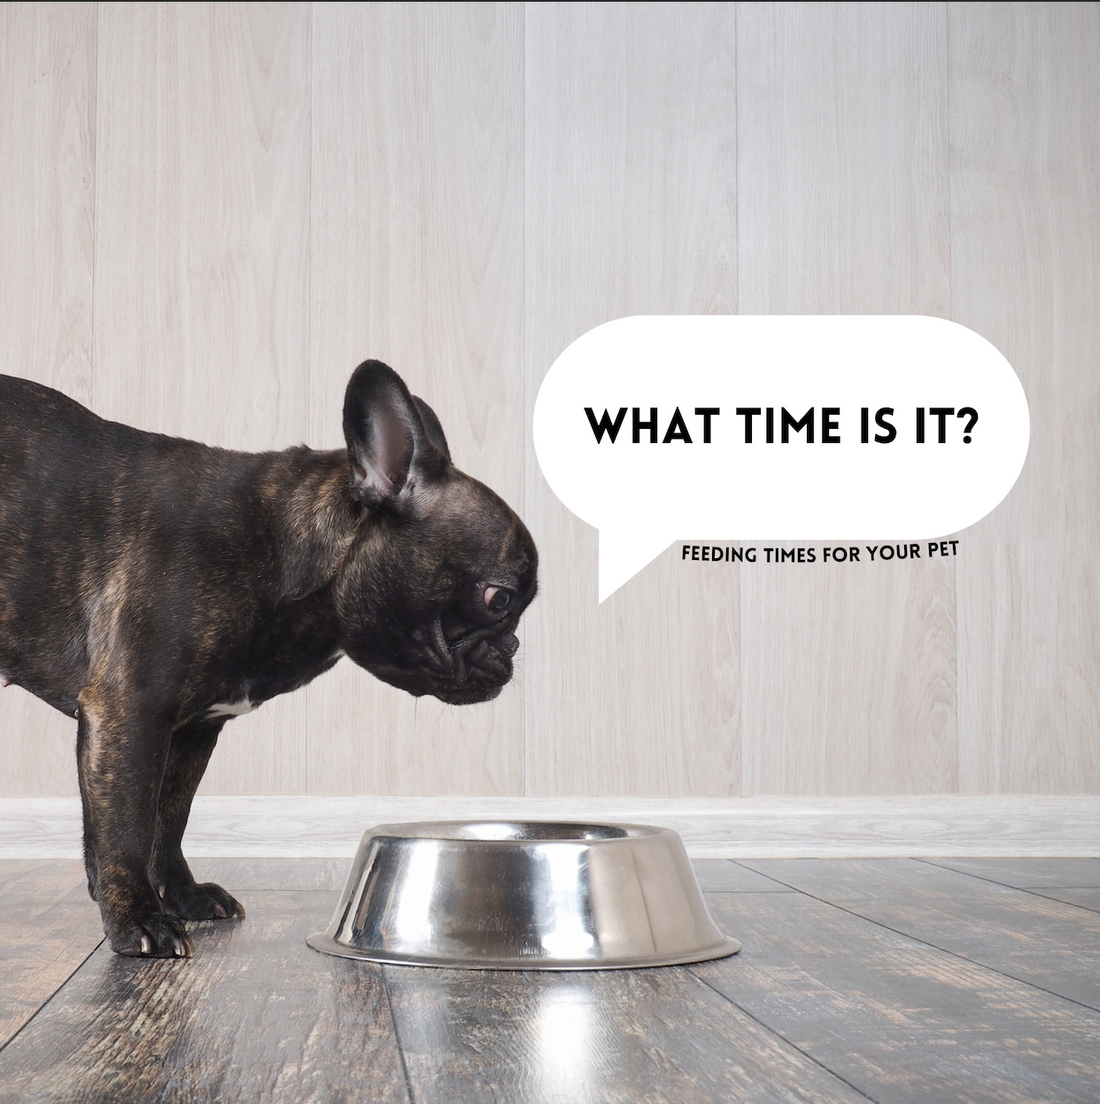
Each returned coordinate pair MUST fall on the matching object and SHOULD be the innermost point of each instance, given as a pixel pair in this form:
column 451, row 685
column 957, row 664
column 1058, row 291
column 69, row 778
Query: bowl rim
column 322, row 941
column 449, row 831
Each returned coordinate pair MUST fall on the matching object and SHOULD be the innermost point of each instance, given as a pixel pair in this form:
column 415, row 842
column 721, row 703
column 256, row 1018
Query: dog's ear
column 395, row 443
column 432, row 427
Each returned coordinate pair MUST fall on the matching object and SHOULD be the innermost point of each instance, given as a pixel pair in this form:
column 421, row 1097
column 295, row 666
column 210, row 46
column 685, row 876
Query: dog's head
column 441, row 568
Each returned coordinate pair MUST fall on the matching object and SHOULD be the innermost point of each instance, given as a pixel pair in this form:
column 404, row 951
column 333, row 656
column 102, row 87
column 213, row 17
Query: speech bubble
column 881, row 427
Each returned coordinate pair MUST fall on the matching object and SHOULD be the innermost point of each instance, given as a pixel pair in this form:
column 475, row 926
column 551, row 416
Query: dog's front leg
column 169, row 872
column 121, row 757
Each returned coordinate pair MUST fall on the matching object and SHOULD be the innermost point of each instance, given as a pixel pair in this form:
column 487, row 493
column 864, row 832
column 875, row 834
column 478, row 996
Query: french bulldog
column 154, row 588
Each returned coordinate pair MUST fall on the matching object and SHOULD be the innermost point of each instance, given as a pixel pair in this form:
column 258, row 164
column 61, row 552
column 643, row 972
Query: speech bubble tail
column 623, row 553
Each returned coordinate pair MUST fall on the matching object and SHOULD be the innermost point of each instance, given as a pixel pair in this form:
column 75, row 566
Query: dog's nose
column 509, row 644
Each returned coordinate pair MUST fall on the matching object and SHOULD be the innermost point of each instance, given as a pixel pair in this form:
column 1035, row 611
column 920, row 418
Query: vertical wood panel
column 849, row 679
column 202, row 206
column 630, row 139
column 848, row 669
column 1025, row 111
column 417, row 260
column 47, row 164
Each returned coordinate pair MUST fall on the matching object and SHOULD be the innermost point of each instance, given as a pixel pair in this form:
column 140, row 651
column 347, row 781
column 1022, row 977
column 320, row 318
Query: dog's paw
column 204, row 901
column 154, row 935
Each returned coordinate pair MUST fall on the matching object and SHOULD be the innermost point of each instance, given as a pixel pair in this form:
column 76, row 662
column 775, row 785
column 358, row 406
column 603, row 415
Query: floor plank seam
column 397, row 1036
column 945, row 950
column 779, row 1035
column 744, row 892
column 1035, row 891
column 35, row 1014
column 744, row 866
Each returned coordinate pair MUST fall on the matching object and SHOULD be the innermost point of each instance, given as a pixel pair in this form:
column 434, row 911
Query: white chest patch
column 231, row 709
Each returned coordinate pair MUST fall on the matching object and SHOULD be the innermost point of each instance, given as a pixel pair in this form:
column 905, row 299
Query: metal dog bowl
column 523, row 896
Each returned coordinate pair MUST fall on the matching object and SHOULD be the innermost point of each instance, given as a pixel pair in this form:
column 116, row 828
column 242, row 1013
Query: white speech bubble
column 643, row 496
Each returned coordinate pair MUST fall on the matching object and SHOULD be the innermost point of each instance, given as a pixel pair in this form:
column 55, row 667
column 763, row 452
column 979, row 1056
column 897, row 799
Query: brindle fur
column 145, row 579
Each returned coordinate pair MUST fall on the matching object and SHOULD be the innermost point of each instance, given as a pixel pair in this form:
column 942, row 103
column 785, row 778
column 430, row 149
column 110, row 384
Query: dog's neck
column 315, row 517
column 305, row 499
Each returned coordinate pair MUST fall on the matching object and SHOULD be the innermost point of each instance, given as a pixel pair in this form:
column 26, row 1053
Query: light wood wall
column 211, row 212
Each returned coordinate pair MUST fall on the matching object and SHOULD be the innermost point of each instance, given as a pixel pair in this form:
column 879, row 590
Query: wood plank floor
column 896, row 980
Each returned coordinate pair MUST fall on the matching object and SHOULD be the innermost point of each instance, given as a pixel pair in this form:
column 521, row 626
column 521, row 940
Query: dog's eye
column 496, row 598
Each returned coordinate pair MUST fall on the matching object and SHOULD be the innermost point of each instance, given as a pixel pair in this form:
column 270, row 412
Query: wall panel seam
column 310, row 382
column 737, row 301
column 952, row 308
column 94, row 142
column 522, row 38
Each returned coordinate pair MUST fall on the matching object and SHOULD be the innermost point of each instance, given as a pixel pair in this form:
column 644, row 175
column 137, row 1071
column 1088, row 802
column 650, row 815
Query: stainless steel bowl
column 523, row 896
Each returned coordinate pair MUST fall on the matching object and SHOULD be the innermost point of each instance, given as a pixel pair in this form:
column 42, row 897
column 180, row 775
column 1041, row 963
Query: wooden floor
column 889, row 980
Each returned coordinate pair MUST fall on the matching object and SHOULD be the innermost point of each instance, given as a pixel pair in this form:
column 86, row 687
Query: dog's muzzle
column 472, row 667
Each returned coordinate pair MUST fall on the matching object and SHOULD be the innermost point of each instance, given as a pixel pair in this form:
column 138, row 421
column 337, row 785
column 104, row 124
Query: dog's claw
column 200, row 902
column 152, row 935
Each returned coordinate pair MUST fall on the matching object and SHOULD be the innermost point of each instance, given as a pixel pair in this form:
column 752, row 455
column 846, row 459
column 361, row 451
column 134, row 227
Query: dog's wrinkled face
column 441, row 569
column 431, row 605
